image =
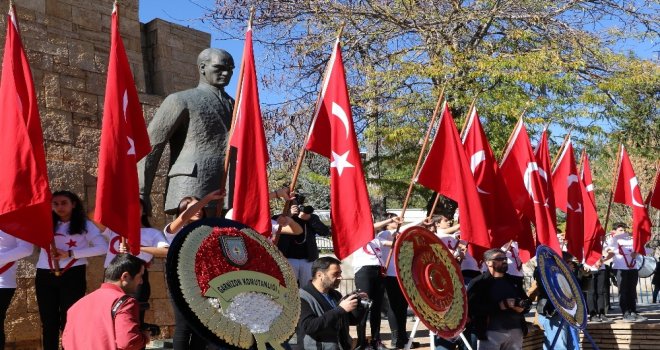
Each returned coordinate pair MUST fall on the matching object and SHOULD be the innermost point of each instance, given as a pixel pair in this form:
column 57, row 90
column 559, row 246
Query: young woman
column 11, row 250
column 76, row 239
column 152, row 244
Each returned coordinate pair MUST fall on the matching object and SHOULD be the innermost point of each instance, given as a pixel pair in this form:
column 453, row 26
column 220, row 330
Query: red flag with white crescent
column 447, row 153
column 568, row 198
column 332, row 135
column 25, row 197
column 628, row 192
column 501, row 218
column 523, row 179
column 593, row 230
column 124, row 141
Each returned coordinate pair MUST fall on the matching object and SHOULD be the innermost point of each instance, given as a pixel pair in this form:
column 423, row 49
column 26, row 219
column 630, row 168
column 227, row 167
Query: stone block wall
column 67, row 43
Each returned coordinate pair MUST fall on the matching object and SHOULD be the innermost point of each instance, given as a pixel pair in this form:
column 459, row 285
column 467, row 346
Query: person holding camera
column 324, row 315
column 301, row 250
column 497, row 305
column 108, row 318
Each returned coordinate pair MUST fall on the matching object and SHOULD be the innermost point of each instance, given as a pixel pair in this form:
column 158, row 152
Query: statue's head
column 215, row 66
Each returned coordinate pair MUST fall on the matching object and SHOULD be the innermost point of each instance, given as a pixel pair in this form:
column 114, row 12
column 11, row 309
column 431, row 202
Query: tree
column 556, row 59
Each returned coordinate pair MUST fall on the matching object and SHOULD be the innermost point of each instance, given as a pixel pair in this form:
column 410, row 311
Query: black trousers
column 142, row 295
column 55, row 294
column 596, row 287
column 396, row 316
column 627, row 281
column 369, row 280
column 184, row 337
column 5, row 299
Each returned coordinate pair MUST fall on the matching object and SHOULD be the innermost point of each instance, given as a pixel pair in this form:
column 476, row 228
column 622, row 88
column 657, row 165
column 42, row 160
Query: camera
column 300, row 199
column 363, row 303
column 153, row 329
column 523, row 303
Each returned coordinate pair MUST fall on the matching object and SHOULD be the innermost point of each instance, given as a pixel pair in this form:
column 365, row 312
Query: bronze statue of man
column 195, row 123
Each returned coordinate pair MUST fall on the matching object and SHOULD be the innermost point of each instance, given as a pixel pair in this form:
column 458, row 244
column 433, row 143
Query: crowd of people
column 496, row 298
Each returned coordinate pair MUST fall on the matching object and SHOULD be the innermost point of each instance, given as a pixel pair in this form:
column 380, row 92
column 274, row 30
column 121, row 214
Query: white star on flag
column 340, row 162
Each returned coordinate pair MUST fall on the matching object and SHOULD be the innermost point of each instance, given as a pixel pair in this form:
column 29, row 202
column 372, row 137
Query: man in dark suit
column 195, row 124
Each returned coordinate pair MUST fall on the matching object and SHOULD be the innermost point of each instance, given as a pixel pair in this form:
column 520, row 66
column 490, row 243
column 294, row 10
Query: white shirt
column 622, row 247
column 450, row 240
column 513, row 260
column 149, row 237
column 11, row 250
column 82, row 246
column 386, row 236
column 371, row 254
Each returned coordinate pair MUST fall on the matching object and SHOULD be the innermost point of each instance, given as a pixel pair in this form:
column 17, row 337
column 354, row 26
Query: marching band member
column 76, row 239
column 12, row 249
column 620, row 246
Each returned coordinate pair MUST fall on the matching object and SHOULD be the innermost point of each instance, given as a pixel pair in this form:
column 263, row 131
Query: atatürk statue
column 195, row 123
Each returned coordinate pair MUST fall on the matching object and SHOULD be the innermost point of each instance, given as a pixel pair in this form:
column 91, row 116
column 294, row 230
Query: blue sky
column 187, row 13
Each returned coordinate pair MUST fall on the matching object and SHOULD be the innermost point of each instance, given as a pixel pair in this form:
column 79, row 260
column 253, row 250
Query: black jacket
column 321, row 326
column 480, row 306
column 312, row 227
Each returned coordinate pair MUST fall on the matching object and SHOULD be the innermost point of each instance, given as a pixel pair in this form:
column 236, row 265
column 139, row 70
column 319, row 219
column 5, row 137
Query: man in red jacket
column 108, row 318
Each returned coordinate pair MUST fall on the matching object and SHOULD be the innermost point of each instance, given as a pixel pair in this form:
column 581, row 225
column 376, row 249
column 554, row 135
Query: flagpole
column 239, row 90
column 469, row 113
column 561, row 149
column 614, row 182
column 508, row 142
column 414, row 175
column 301, row 154
column 435, row 204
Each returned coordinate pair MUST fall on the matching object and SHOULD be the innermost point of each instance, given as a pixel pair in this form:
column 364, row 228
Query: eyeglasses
column 501, row 258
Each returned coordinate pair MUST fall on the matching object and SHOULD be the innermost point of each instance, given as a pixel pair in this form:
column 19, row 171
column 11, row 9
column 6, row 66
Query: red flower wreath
column 210, row 262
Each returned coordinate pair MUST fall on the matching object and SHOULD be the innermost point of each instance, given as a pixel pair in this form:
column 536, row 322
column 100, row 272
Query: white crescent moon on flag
column 476, row 159
column 527, row 178
column 633, row 184
column 339, row 112
column 572, row 178
column 131, row 143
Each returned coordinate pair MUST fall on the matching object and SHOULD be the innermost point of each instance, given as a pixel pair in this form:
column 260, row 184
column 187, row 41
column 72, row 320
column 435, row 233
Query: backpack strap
column 117, row 305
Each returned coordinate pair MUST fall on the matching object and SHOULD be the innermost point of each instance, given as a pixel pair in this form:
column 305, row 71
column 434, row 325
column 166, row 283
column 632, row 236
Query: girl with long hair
column 76, row 239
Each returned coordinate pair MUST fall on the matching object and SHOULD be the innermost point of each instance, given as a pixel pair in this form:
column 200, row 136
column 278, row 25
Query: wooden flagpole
column 414, row 175
column 561, row 149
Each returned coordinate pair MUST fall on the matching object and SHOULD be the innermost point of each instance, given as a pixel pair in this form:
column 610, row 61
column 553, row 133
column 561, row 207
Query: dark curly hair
column 78, row 223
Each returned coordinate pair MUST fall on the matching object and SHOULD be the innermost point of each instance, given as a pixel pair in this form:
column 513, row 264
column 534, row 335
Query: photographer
column 107, row 318
column 324, row 315
column 301, row 250
column 497, row 305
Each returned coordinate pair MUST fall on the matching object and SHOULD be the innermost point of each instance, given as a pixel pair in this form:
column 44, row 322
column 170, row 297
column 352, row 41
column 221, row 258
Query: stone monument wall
column 67, row 43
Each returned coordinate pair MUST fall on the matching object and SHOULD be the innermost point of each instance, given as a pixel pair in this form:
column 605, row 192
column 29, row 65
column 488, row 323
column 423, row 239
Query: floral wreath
column 258, row 301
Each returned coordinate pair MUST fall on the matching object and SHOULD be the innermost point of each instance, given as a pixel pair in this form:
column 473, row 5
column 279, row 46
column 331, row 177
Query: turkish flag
column 653, row 198
column 251, row 204
column 542, row 155
column 446, row 170
column 627, row 192
column 25, row 198
column 593, row 230
column 332, row 135
column 568, row 198
column 524, row 179
column 124, row 141
column 501, row 218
